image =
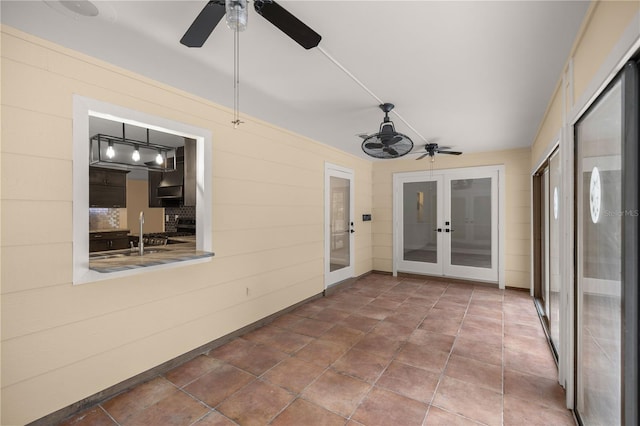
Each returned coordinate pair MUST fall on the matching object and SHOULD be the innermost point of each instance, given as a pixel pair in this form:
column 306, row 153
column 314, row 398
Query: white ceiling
column 476, row 76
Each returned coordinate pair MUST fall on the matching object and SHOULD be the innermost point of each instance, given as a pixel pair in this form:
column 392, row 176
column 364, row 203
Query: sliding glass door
column 599, row 182
column 547, row 276
column 606, row 141
column 553, row 251
column 546, row 250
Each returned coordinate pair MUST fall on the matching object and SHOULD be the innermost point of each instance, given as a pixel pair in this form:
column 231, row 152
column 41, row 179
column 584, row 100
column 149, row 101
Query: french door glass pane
column 599, row 186
column 471, row 222
column 420, row 215
column 339, row 219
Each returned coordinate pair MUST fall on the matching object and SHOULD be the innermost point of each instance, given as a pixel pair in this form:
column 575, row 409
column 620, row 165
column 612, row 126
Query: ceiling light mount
column 386, row 108
column 83, row 9
column 236, row 14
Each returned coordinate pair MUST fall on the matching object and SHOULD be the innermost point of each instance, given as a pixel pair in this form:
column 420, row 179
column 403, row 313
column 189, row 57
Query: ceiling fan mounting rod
column 386, row 108
column 366, row 89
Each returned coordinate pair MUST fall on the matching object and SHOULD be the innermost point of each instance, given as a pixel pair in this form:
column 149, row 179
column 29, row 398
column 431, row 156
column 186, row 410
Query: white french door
column 446, row 223
column 339, row 228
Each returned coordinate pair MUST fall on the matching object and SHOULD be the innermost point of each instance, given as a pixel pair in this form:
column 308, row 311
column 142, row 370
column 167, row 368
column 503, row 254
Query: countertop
column 102, row 231
column 122, row 260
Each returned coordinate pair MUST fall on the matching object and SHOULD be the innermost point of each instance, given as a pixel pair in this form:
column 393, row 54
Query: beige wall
column 62, row 343
column 601, row 30
column 517, row 198
column 138, row 201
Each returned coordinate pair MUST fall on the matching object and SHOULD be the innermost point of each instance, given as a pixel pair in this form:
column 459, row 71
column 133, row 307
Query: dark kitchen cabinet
column 107, row 187
column 153, row 183
column 190, row 161
column 108, row 240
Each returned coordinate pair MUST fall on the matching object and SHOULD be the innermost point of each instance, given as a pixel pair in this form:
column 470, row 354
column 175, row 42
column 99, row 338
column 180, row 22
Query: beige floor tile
column 385, row 351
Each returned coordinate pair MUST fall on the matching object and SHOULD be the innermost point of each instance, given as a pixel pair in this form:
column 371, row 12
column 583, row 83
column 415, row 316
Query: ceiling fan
column 236, row 11
column 432, row 149
column 387, row 143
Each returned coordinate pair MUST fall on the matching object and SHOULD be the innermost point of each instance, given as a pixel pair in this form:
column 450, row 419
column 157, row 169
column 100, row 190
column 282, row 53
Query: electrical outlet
column 166, row 218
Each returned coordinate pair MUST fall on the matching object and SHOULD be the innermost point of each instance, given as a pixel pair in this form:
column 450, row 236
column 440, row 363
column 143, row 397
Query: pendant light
column 110, row 151
column 136, row 154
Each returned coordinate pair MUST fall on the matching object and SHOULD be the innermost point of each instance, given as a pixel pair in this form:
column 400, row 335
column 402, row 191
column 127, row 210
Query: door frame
column 498, row 169
column 334, row 170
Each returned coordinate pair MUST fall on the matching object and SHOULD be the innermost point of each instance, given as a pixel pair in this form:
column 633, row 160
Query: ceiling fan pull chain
column 236, row 76
column 236, row 79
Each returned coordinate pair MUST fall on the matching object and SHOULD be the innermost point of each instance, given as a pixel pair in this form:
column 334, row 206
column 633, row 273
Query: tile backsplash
column 171, row 212
column 104, row 218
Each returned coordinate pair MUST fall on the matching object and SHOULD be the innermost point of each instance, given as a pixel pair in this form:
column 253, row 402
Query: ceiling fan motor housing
column 286, row 22
column 387, row 128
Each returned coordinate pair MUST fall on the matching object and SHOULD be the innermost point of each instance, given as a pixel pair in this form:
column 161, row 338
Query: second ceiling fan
column 236, row 11
column 431, row 149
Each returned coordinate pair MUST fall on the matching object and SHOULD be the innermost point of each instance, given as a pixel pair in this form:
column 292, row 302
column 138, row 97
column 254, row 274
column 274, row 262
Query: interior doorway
column 446, row 223
column 339, row 224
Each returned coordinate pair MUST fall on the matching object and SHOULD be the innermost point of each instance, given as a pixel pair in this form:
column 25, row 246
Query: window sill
column 124, row 260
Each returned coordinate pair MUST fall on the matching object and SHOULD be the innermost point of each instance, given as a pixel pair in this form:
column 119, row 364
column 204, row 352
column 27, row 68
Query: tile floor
column 386, row 351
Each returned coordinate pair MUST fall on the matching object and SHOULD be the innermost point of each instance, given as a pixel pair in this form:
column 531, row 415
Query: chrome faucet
column 140, row 239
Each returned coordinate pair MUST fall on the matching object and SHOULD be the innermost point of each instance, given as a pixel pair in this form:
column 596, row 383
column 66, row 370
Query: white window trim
column 83, row 108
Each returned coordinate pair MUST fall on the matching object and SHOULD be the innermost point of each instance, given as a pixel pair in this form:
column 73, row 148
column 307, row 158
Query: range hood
column 175, row 188
column 169, row 192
